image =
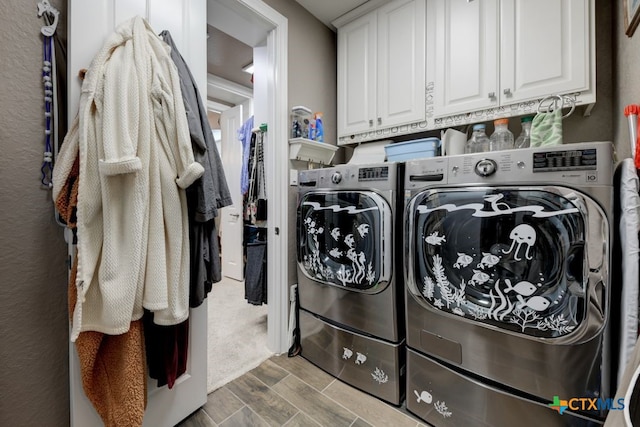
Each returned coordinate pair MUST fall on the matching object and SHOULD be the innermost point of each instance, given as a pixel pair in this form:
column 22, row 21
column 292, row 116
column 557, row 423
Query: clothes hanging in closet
column 255, row 218
column 255, row 201
column 255, row 282
column 244, row 135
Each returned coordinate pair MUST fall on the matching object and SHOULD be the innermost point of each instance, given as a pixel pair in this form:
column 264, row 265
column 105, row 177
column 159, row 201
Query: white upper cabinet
column 381, row 68
column 544, row 48
column 463, row 38
column 494, row 53
column 357, row 53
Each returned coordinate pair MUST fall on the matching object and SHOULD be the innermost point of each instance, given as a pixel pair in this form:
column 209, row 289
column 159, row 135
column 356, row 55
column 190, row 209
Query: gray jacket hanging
column 206, row 195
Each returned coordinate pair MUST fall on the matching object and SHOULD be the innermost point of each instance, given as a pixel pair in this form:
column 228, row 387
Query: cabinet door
column 357, row 75
column 90, row 23
column 401, row 63
column 544, row 49
column 462, row 45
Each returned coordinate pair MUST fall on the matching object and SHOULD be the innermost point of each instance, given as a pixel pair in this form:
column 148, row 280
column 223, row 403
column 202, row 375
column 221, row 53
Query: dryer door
column 344, row 239
column 528, row 261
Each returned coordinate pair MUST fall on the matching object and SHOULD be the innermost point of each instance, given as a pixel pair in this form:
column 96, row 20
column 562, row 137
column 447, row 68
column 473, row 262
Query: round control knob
column 336, row 177
column 486, row 167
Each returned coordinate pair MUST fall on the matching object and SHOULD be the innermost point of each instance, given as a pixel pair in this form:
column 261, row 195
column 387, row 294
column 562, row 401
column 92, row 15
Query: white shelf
column 308, row 150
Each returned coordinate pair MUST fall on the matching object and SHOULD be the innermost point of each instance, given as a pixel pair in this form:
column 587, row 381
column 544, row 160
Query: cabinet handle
column 379, row 120
column 370, row 123
column 507, row 92
column 492, row 95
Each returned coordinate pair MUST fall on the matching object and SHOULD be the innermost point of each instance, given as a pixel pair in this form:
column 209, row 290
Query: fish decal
column 488, row 260
column 537, row 303
column 523, row 288
column 360, row 358
column 425, row 397
column 462, row 261
column 349, row 240
column 347, row 353
column 363, row 229
column 435, row 239
column 336, row 253
column 335, row 233
column 479, row 277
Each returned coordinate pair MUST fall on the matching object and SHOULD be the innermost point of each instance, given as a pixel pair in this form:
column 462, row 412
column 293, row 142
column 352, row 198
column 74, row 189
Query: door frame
column 258, row 14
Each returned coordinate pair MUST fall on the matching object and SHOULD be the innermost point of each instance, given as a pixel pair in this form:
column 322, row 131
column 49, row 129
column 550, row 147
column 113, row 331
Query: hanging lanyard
column 50, row 15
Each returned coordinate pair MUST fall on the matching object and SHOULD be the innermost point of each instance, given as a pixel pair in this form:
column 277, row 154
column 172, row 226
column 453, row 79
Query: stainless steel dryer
column 508, row 287
column 350, row 291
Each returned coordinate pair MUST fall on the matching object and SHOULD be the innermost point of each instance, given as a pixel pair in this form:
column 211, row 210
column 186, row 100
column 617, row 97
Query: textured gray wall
column 312, row 83
column 34, row 385
column 599, row 125
column 626, row 81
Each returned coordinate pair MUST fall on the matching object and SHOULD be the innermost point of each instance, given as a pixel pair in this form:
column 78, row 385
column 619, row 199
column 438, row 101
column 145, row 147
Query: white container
column 300, row 119
column 311, row 151
column 409, row 150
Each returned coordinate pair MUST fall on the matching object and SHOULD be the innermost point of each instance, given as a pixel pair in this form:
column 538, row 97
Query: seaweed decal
column 442, row 409
column 379, row 376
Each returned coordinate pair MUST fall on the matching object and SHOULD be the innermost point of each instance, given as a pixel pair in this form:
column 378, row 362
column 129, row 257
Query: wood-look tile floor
column 292, row 392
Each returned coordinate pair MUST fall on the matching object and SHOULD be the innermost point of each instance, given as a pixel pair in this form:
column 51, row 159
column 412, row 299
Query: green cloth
column 546, row 128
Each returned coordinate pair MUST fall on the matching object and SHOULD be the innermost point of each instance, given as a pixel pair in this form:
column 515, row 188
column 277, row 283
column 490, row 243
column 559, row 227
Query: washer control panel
column 546, row 161
column 589, row 163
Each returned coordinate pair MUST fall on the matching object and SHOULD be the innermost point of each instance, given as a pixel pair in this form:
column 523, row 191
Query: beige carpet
column 237, row 339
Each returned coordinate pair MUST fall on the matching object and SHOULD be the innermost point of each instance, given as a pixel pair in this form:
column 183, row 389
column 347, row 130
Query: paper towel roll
column 369, row 152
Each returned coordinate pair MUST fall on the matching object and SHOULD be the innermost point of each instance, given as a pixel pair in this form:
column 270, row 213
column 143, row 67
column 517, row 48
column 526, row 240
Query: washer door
column 344, row 239
column 524, row 260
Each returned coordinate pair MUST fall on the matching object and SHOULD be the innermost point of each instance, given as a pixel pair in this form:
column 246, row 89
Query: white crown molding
column 358, row 12
column 215, row 83
column 217, row 107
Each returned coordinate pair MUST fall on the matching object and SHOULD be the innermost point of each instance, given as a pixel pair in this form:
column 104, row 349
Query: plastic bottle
column 319, row 128
column 501, row 138
column 524, row 139
column 479, row 142
column 312, row 130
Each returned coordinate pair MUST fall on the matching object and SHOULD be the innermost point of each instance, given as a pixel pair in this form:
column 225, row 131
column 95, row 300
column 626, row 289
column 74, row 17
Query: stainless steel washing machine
column 350, row 291
column 508, row 287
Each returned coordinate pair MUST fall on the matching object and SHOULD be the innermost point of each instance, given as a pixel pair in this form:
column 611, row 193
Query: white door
column 544, row 48
column 401, row 63
column 231, row 222
column 462, row 51
column 357, row 76
column 90, row 22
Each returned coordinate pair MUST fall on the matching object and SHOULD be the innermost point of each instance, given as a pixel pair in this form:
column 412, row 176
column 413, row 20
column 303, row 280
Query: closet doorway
column 263, row 29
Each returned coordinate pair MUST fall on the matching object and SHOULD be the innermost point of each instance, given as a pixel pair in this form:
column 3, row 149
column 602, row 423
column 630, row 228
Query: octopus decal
column 522, row 235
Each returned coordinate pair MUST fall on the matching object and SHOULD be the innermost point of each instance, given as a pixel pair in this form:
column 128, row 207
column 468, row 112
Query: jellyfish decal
column 521, row 235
